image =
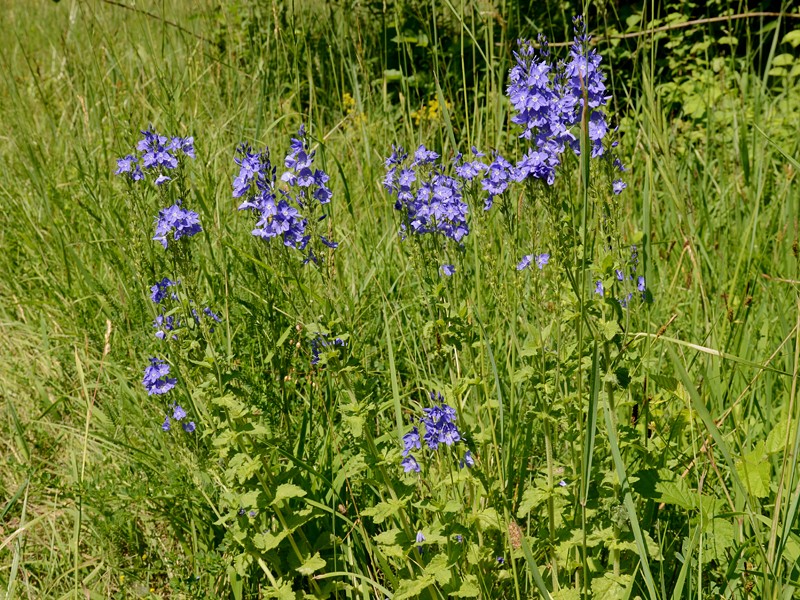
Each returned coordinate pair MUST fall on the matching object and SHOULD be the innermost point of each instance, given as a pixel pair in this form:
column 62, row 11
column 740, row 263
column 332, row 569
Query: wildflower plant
column 573, row 287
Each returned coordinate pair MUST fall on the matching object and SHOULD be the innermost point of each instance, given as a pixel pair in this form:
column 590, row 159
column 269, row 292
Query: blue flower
column 448, row 270
column 423, row 156
column 620, row 275
column 164, row 324
column 189, row 427
column 420, row 537
column 156, row 378
column 411, row 441
column 499, row 175
column 398, row 156
column 211, row 314
column 440, row 427
column 525, row 262
column 431, row 201
column 468, row 460
column 321, row 343
column 177, row 412
column 618, row 186
column 299, row 161
column 542, row 260
column 410, row 464
column 159, row 290
column 165, row 426
column 158, row 152
column 178, row 221
column 125, row 164
column 640, row 284
column 598, row 288
column 328, row 243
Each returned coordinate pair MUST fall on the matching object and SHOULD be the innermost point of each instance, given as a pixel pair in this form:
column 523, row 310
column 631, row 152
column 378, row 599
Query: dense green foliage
column 649, row 452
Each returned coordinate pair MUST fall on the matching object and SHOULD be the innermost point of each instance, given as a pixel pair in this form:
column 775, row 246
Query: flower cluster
column 156, row 378
column 156, row 153
column 320, row 344
column 159, row 154
column 159, row 290
column 178, row 221
column 540, row 259
column 623, row 284
column 178, row 414
column 550, row 102
column 309, row 182
column 164, row 323
column 440, row 427
column 430, row 200
column 279, row 210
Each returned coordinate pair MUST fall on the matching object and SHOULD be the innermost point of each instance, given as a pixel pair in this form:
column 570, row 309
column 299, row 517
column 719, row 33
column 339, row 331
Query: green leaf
column 776, row 439
column 792, row 38
column 531, row 498
column 439, row 569
column 383, row 510
column 720, row 537
column 413, row 588
column 267, row 541
column 469, row 588
column 676, row 492
column 235, row 408
column 313, row 563
column 609, row 329
column 754, row 471
column 391, row 536
column 286, row 491
column 486, row 519
column 611, row 587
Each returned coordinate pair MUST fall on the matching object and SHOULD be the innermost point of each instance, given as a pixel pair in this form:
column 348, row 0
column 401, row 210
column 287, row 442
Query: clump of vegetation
column 549, row 351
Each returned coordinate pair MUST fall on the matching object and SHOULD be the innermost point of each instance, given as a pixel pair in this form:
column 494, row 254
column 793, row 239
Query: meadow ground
column 367, row 414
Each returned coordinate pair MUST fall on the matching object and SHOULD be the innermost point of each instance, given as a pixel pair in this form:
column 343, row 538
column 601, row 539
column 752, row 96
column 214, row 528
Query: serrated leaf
column 777, row 438
column 531, row 498
column 438, row 569
column 566, row 594
column 281, row 591
column 611, row 587
column 468, row 589
column 267, row 541
column 720, row 537
column 391, row 536
column 242, row 467
column 486, row 519
column 792, row 38
column 286, row 491
column 677, row 493
column 235, row 407
column 312, row 564
column 412, row 588
column 609, row 329
column 383, row 510
column 754, row 471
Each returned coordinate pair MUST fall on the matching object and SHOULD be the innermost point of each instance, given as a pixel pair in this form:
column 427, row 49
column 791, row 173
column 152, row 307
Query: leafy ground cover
column 254, row 348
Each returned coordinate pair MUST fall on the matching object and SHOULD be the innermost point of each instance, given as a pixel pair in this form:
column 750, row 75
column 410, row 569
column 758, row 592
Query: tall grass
column 696, row 463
